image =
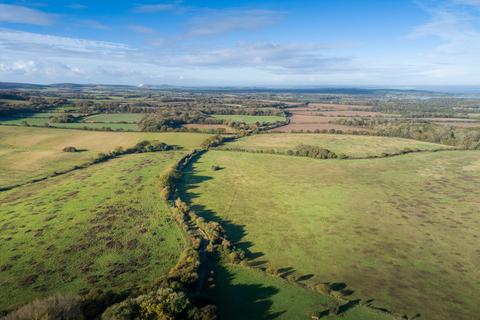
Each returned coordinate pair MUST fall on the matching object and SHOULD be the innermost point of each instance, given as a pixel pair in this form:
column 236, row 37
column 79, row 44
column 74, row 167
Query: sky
column 283, row 43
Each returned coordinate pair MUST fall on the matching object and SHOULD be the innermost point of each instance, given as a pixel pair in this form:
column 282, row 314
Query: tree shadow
column 243, row 301
column 190, row 181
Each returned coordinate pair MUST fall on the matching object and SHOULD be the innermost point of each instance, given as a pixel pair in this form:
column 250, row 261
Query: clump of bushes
column 305, row 150
column 167, row 182
column 63, row 118
column 214, row 141
column 70, row 149
column 141, row 147
column 51, row 308
column 164, row 303
column 149, row 146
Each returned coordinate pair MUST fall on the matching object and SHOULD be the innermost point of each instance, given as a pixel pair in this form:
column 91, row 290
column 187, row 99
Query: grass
column 37, row 122
column 103, row 227
column 95, row 125
column 122, row 121
column 27, row 152
column 248, row 119
column 246, row 293
column 402, row 230
column 351, row 145
column 115, row 117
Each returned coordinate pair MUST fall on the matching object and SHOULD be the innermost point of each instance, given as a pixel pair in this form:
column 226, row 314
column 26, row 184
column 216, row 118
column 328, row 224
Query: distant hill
column 299, row 90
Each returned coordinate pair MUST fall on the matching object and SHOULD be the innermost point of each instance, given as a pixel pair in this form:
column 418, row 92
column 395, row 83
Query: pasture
column 248, row 119
column 351, row 145
column 400, row 230
column 302, row 122
column 28, row 153
column 246, row 293
column 114, row 121
column 115, row 117
column 100, row 228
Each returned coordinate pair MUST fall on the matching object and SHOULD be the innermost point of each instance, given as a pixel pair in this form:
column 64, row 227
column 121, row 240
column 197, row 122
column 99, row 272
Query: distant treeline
column 466, row 138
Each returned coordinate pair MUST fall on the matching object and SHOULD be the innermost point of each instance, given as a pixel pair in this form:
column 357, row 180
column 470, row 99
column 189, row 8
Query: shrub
column 65, row 307
column 314, row 152
column 70, row 149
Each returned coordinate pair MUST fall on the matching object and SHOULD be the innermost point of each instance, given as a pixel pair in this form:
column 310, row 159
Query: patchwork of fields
column 400, row 230
column 100, row 228
column 389, row 228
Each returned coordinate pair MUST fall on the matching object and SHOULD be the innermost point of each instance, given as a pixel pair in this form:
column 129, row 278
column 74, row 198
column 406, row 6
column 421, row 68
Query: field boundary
column 291, row 153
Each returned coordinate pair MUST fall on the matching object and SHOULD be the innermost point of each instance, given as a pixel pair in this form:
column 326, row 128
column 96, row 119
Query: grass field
column 246, row 293
column 40, row 122
column 114, row 121
column 248, row 119
column 401, row 230
column 27, row 152
column 351, row 145
column 98, row 126
column 103, row 227
column 115, row 117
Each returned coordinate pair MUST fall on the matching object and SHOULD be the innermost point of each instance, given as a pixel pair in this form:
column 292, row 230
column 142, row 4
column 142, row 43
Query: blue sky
column 397, row 43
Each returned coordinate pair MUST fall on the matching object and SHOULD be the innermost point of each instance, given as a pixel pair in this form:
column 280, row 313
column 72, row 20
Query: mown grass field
column 246, row 293
column 351, row 145
column 27, row 152
column 248, row 119
column 115, row 117
column 401, row 230
column 103, row 227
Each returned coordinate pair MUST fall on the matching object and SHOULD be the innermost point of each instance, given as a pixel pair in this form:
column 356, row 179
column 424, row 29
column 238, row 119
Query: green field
column 27, row 152
column 248, row 119
column 115, row 117
column 351, row 145
column 98, row 126
column 246, row 293
column 103, row 227
column 401, row 230
column 114, row 121
column 41, row 122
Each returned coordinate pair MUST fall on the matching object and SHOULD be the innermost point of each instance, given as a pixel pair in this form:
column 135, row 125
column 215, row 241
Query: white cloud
column 468, row 2
column 139, row 28
column 455, row 28
column 292, row 58
column 34, row 43
column 77, row 6
column 159, row 7
column 218, row 22
column 24, row 15
column 94, row 24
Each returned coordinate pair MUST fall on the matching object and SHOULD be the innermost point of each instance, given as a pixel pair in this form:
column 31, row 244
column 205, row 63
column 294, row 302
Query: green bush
column 70, row 149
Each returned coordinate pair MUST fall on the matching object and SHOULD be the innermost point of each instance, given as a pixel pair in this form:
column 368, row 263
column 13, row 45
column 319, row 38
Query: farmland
column 28, row 153
column 350, row 145
column 102, row 228
column 125, row 122
column 115, row 118
column 248, row 119
column 348, row 221
column 245, row 292
column 370, row 213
